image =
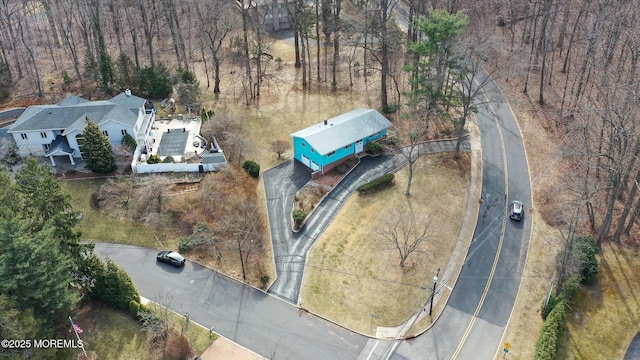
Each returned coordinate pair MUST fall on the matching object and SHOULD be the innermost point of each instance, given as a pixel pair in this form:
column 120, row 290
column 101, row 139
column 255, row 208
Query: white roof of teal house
column 343, row 130
column 70, row 113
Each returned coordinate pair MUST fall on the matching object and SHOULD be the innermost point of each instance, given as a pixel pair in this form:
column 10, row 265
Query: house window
column 23, row 136
column 105, row 133
column 303, row 144
column 123, row 132
column 47, row 147
column 331, row 153
column 313, row 150
column 348, row 146
column 43, row 135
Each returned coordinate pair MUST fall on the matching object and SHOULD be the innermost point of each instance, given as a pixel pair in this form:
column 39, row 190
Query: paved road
column 247, row 316
column 472, row 324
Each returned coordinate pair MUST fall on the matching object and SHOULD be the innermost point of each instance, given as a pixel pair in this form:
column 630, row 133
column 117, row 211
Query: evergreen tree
column 113, row 286
column 35, row 273
column 126, row 74
column 37, row 199
column 96, row 149
column 155, row 82
column 105, row 63
column 91, row 71
column 41, row 259
column 438, row 56
column 16, row 324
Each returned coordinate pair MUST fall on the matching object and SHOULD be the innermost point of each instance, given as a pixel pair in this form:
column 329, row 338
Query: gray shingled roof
column 343, row 130
column 70, row 113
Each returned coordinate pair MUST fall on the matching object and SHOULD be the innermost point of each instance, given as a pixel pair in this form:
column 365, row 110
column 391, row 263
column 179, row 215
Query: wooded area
column 579, row 57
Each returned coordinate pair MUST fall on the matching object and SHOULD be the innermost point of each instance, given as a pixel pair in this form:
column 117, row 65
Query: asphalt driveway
column 281, row 184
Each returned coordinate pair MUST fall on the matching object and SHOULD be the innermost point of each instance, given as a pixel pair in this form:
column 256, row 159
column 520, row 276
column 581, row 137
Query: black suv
column 516, row 210
column 170, row 257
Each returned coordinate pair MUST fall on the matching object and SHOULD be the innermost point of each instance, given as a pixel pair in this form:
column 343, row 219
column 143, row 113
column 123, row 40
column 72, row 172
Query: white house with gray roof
column 54, row 130
column 323, row 146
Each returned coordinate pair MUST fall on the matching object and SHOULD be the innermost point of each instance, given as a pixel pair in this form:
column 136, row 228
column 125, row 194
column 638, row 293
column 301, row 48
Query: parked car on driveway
column 170, row 257
column 516, row 210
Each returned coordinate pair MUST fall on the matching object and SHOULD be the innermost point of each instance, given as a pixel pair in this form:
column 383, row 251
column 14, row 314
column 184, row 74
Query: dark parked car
column 516, row 210
column 170, row 257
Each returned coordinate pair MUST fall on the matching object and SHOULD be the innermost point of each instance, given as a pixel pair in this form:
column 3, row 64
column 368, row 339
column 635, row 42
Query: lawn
column 99, row 227
column 605, row 316
column 351, row 274
column 114, row 334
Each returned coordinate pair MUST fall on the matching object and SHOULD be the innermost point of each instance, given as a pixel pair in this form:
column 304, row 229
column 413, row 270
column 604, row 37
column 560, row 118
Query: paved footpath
column 281, row 184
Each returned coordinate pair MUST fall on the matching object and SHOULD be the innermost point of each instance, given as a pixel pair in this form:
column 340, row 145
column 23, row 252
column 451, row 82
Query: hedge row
column 582, row 265
column 376, row 184
column 551, row 332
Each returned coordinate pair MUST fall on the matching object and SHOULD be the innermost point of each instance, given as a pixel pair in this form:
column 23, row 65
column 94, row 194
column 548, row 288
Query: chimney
column 127, row 92
column 325, row 121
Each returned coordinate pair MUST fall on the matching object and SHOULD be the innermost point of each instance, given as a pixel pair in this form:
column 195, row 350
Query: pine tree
column 35, row 273
column 38, row 199
column 96, row 149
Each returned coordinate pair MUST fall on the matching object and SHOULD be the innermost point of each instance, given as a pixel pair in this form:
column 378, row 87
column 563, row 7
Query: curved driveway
column 471, row 325
column 281, row 184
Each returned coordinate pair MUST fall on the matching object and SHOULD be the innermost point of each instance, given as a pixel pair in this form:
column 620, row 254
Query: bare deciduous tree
column 216, row 21
column 401, row 230
column 242, row 228
column 414, row 131
column 280, row 146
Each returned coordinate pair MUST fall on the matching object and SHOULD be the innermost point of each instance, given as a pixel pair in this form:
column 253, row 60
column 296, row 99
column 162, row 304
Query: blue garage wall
column 338, row 154
column 301, row 147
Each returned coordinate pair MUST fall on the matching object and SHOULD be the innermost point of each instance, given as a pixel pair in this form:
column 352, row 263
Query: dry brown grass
column 606, row 316
column 350, row 274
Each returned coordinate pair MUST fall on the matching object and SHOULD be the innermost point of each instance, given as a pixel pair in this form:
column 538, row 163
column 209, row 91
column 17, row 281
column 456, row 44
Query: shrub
column 168, row 160
column 252, row 168
column 553, row 301
column 153, row 159
column 298, row 216
column 586, row 252
column 185, row 244
column 134, row 308
column 129, row 142
column 390, row 108
column 178, row 348
column 391, row 141
column 374, row 148
column 113, row 285
column 570, row 287
column 264, row 280
column 376, row 184
column 551, row 332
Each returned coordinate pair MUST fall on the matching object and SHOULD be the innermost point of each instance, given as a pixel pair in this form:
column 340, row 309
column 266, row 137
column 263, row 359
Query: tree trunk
column 296, row 46
column 627, row 208
column 318, row 39
column 336, row 44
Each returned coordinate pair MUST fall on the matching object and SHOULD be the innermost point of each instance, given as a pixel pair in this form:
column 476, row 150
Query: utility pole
column 433, row 294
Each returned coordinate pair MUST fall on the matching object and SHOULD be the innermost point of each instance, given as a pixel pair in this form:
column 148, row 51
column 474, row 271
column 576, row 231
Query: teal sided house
column 323, row 146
